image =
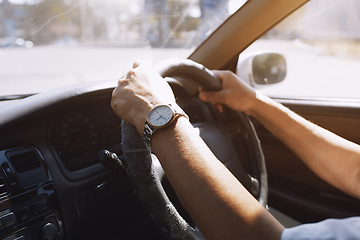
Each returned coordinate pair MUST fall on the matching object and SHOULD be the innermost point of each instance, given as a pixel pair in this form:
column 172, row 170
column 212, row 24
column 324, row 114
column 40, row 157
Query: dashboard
column 52, row 185
column 80, row 132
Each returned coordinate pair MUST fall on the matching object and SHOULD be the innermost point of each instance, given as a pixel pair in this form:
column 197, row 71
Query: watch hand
column 159, row 118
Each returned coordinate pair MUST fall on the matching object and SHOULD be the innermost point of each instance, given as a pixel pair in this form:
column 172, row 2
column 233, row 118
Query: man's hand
column 331, row 157
column 200, row 180
column 235, row 93
column 139, row 91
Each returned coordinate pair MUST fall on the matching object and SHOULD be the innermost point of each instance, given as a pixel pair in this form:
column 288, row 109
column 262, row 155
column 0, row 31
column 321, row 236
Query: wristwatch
column 160, row 117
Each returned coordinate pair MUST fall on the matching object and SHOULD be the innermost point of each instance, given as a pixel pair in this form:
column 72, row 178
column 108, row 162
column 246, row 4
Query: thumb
column 213, row 97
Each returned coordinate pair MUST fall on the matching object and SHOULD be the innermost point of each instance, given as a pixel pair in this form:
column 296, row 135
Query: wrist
column 139, row 121
column 260, row 105
column 161, row 117
column 174, row 132
column 255, row 104
column 142, row 115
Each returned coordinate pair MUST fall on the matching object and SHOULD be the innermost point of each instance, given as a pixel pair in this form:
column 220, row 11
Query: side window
column 321, row 45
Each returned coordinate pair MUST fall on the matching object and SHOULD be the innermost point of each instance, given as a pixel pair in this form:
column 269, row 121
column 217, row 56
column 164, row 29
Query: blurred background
column 159, row 23
column 45, row 44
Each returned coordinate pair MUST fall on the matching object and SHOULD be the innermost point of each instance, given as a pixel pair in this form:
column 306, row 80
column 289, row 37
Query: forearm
column 220, row 206
column 331, row 157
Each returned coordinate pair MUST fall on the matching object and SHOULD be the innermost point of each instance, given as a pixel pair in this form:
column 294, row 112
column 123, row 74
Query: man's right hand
column 235, row 93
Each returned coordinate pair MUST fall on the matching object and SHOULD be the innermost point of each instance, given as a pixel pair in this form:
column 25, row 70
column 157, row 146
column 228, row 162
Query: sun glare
column 17, row 1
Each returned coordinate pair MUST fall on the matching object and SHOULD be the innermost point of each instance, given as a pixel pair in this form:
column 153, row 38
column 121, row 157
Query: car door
column 320, row 42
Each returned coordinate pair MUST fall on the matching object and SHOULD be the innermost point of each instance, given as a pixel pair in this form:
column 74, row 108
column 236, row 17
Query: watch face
column 160, row 116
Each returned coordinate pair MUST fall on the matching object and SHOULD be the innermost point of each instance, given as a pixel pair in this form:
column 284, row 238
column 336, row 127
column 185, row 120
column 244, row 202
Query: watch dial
column 160, row 116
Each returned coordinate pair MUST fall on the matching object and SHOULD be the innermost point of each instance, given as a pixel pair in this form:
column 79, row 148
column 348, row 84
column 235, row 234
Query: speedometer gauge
column 75, row 136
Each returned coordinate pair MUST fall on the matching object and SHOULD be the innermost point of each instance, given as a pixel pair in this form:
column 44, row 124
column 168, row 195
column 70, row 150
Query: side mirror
column 262, row 68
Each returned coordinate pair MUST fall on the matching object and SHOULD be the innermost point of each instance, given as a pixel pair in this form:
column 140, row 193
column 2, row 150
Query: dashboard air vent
column 195, row 114
column 3, row 188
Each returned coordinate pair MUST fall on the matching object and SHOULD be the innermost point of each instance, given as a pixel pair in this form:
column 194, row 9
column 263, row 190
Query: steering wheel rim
column 191, row 71
column 139, row 167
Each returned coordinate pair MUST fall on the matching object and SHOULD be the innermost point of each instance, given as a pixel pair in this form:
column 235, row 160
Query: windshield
column 45, row 44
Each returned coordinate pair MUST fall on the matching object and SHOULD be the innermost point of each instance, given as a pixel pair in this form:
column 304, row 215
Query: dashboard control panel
column 24, row 166
column 28, row 206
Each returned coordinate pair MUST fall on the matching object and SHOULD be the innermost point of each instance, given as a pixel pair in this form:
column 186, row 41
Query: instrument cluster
column 79, row 133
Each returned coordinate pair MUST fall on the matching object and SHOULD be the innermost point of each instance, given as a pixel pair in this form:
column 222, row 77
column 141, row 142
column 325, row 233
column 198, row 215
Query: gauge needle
column 75, row 144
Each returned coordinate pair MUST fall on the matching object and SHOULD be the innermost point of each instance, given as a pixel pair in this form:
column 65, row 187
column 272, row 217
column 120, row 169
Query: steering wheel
column 142, row 173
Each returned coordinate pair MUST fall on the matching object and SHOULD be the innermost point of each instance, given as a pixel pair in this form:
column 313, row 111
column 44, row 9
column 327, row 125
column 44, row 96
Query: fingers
column 220, row 74
column 223, row 74
column 138, row 63
column 213, row 97
column 132, row 71
column 219, row 107
column 129, row 74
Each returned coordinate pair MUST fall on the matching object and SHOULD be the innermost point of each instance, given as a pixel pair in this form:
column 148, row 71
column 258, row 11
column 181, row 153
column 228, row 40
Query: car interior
column 54, row 186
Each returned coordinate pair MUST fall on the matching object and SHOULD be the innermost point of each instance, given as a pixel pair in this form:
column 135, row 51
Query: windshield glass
column 45, row 44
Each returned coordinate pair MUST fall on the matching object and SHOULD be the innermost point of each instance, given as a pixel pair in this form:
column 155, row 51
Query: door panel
column 293, row 188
